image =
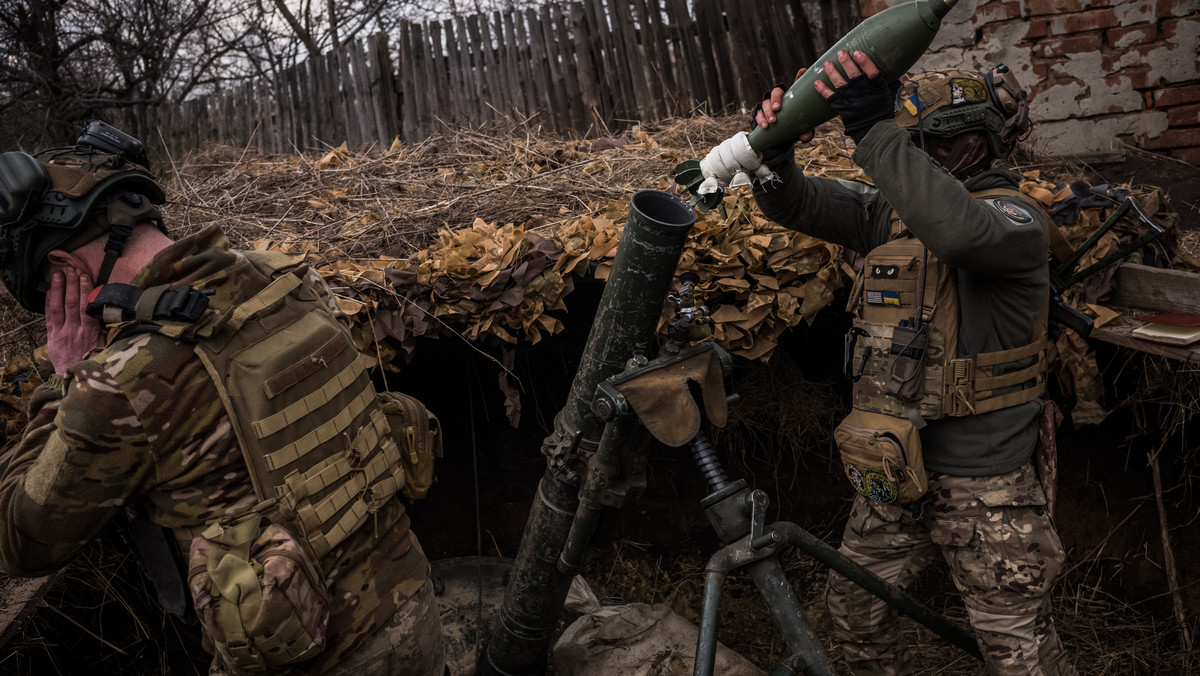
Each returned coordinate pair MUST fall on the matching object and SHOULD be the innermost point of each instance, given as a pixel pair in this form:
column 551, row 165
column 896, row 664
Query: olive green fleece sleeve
column 849, row 213
column 963, row 232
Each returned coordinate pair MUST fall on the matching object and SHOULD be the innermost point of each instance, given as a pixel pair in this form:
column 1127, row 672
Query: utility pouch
column 418, row 435
column 906, row 377
column 881, row 456
column 257, row 594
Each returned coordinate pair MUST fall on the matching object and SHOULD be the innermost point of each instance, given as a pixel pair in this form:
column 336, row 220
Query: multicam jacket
column 139, row 425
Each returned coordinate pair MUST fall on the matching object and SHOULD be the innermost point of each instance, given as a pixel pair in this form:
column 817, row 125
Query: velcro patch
column 882, row 297
column 885, row 271
column 872, row 483
column 964, row 90
column 1012, row 211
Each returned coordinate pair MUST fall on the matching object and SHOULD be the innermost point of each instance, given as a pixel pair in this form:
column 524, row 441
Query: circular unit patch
column 965, row 90
column 872, row 484
column 1012, row 211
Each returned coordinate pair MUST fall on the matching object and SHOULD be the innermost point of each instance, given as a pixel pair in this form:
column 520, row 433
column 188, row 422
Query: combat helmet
column 948, row 102
column 63, row 198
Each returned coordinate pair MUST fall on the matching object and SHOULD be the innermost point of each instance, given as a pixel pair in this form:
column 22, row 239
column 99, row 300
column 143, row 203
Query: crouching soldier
column 215, row 394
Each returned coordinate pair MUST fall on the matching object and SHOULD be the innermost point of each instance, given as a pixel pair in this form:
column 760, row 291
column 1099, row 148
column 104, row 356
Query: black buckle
column 186, row 304
column 848, row 354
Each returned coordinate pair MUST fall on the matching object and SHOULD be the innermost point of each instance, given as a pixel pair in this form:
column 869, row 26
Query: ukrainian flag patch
column 913, row 105
column 883, row 298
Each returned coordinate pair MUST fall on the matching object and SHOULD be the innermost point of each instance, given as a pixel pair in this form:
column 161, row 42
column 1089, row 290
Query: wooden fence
column 580, row 67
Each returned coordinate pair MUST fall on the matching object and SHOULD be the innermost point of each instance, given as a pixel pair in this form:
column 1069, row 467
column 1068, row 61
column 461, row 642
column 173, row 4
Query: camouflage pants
column 1004, row 555
column 410, row 644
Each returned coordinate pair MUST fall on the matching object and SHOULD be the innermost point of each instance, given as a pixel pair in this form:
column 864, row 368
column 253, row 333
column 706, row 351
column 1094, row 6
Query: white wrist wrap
column 727, row 165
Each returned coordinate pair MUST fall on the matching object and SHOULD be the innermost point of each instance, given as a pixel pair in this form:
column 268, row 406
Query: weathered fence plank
column 580, row 66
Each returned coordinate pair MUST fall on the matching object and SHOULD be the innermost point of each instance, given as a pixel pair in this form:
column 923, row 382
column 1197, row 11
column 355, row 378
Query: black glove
column 862, row 102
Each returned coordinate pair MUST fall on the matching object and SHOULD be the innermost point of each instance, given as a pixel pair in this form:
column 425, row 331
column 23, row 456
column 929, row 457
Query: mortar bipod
column 738, row 515
column 651, row 397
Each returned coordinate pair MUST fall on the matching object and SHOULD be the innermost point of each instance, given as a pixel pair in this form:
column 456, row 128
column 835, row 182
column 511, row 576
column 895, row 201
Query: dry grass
column 347, row 205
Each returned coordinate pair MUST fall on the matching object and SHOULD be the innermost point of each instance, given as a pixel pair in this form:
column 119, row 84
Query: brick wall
column 1101, row 72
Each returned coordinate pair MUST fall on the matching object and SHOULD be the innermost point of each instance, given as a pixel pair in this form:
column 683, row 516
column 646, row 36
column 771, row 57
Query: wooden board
column 1157, row 289
column 19, row 597
column 1119, row 334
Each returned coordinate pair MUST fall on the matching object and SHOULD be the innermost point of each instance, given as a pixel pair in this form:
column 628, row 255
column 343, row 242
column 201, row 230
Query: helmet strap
column 118, row 235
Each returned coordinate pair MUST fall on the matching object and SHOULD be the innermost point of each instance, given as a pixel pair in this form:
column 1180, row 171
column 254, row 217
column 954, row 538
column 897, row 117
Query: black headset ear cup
column 23, row 185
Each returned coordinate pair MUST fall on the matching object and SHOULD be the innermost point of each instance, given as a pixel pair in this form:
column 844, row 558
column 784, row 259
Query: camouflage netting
column 483, row 234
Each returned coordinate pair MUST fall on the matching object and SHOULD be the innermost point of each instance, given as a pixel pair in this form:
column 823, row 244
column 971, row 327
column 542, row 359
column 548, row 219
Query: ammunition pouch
column 257, row 592
column 906, row 377
column 418, row 436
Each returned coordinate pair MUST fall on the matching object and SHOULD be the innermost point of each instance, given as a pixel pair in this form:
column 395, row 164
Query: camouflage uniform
column 1003, row 554
column 139, row 425
column 985, row 511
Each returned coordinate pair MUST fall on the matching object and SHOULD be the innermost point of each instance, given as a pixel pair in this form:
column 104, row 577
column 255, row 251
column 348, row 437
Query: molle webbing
column 888, row 289
column 303, row 408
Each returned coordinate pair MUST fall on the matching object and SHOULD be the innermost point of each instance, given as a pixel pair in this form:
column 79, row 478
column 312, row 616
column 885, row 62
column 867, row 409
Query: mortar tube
column 626, row 321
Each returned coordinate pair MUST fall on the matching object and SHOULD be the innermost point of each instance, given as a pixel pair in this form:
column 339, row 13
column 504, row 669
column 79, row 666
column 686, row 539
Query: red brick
column 1170, row 96
column 1189, row 155
column 1171, row 28
column 1133, row 35
column 1036, row 28
column 1043, row 7
column 1167, row 8
column 998, row 10
column 1134, row 13
column 1184, row 115
column 1083, row 21
column 871, row 7
column 1112, row 60
column 1076, row 44
column 1130, row 79
column 1174, row 138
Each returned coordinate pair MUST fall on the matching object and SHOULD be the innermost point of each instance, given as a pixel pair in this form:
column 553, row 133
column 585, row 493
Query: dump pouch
column 881, row 456
column 418, row 435
column 257, row 593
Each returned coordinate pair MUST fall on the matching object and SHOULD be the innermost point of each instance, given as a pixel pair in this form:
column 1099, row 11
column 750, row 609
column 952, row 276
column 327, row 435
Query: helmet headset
column 63, row 198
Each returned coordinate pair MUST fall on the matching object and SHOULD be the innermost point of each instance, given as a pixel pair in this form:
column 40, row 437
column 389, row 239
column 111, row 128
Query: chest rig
column 902, row 351
column 319, row 449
